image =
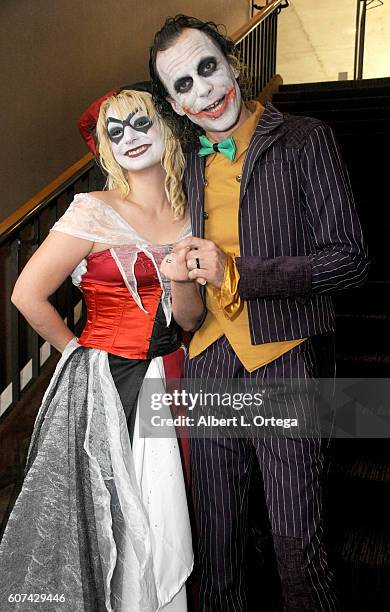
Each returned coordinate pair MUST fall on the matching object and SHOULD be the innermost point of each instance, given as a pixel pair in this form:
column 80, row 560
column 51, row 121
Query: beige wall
column 56, row 56
column 316, row 41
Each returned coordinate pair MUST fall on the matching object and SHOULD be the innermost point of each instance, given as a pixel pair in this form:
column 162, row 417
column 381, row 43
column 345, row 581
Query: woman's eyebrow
column 123, row 121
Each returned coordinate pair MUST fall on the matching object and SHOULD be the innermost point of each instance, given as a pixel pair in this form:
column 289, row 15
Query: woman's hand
column 174, row 265
column 187, row 305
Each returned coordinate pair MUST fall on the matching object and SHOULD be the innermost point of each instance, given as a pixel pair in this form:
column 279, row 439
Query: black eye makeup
column 207, row 66
column 116, row 127
column 183, row 85
column 142, row 124
column 115, row 132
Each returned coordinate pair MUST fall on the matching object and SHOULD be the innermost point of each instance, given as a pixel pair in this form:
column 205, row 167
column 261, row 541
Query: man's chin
column 222, row 124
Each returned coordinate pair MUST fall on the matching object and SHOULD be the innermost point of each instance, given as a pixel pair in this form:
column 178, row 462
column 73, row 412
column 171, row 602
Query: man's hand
column 205, row 260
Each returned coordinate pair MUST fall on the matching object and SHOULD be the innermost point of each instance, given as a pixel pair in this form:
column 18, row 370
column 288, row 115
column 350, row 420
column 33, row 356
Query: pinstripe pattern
column 291, row 471
column 295, row 200
column 296, row 212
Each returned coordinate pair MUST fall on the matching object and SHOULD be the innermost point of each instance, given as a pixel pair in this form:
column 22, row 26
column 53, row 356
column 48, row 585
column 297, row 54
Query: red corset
column 115, row 323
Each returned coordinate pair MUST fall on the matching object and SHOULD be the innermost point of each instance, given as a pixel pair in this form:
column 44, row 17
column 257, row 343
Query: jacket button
column 238, row 178
column 205, row 215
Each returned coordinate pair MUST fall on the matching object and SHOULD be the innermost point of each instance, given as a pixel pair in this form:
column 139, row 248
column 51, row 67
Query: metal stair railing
column 257, row 41
column 360, row 33
column 20, row 235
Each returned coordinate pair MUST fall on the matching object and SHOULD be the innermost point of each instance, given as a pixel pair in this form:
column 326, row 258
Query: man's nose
column 203, row 86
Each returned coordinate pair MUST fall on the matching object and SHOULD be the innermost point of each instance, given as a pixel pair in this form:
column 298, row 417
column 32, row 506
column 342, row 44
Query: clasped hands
column 195, row 259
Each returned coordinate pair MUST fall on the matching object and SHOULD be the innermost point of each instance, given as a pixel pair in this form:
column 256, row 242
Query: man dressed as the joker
column 275, row 234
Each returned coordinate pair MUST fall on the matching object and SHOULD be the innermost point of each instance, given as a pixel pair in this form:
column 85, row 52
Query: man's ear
column 176, row 106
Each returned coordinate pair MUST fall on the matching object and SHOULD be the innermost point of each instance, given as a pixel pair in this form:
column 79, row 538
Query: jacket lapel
column 269, row 129
column 195, row 185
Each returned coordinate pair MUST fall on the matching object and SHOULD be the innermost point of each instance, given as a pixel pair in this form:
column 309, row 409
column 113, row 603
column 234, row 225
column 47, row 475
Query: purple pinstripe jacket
column 300, row 236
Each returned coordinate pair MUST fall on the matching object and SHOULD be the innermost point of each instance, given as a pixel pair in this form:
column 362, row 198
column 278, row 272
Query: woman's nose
column 130, row 134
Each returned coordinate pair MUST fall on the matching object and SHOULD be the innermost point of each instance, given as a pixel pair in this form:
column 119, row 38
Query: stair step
column 361, row 469
column 363, row 85
column 360, row 502
column 367, row 365
column 331, row 104
column 361, row 140
column 368, row 298
column 348, row 84
column 364, row 342
column 355, row 128
column 365, row 316
column 365, row 548
column 348, row 116
column 369, row 449
column 314, row 96
column 369, row 148
column 367, row 358
column 369, row 196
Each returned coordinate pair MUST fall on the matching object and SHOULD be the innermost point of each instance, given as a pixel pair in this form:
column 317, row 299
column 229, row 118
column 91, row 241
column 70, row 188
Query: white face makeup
column 200, row 82
column 136, row 141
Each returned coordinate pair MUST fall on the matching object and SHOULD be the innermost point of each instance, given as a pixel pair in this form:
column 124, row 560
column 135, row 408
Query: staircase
column 359, row 113
column 357, row 495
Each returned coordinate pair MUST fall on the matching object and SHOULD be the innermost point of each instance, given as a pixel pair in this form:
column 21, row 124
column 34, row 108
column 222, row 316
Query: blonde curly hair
column 123, row 103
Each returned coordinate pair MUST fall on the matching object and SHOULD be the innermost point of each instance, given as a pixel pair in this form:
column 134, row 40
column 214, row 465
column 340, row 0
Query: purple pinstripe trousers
column 291, row 469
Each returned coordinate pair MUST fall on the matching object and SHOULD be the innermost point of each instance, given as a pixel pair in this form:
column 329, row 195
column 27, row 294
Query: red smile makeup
column 220, row 107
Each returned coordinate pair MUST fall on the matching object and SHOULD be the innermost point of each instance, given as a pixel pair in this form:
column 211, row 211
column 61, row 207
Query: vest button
column 205, row 183
column 238, row 178
column 205, row 215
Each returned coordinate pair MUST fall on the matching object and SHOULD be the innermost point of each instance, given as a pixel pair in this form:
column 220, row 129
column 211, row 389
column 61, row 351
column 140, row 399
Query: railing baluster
column 15, row 327
column 252, row 61
column 275, row 40
column 263, row 55
column 35, row 356
column 12, row 238
column 269, row 47
column 53, row 217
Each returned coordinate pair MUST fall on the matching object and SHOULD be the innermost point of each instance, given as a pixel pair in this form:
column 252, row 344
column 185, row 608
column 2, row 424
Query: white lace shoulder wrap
column 92, row 219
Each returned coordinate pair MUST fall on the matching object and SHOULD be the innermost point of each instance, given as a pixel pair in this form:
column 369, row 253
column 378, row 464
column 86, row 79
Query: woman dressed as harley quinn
column 101, row 521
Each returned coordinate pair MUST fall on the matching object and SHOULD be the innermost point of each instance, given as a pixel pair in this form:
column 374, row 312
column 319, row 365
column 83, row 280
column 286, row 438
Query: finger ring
column 168, row 261
column 197, row 262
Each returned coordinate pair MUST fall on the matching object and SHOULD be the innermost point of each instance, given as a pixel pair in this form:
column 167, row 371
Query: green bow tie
column 226, row 147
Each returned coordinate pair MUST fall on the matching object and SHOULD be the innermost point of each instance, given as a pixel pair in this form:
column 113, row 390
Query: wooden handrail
column 254, row 21
column 24, row 212
column 27, row 210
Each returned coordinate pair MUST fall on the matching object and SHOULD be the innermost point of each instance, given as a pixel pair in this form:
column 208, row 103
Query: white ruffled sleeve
column 81, row 219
